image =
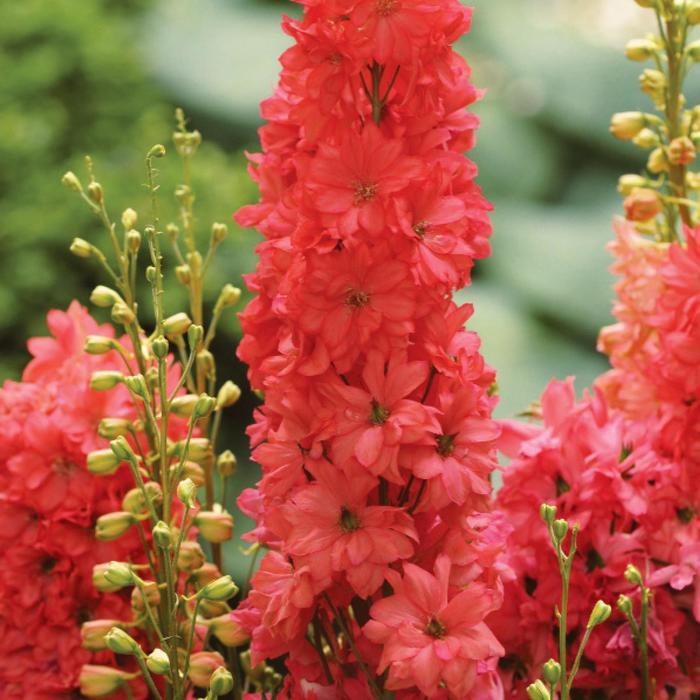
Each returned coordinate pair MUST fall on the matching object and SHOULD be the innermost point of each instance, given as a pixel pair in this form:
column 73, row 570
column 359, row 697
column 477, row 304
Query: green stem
column 148, row 678
column 643, row 644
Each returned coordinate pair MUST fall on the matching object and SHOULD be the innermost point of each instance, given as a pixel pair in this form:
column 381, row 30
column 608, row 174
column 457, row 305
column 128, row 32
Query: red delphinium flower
column 431, row 635
column 375, row 437
column 48, row 507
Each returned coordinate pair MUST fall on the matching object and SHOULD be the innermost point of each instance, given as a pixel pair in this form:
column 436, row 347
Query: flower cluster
column 49, row 505
column 375, row 437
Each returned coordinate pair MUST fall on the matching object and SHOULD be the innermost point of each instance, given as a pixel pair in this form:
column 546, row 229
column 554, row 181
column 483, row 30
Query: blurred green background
column 102, row 77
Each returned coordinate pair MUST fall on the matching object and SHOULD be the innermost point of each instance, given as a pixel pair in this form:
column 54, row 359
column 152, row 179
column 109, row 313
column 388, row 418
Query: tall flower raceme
column 375, row 437
column 623, row 461
column 104, row 445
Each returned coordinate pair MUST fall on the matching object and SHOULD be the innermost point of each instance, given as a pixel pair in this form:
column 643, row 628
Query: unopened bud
column 160, row 347
column 227, row 463
column 183, row 405
column 145, row 594
column 158, row 662
column 137, row 385
column 219, row 233
column 187, row 492
column 214, row 526
column 600, row 613
column 642, row 205
column 199, row 449
column 658, row 161
column 228, row 395
column 81, row 248
column 192, row 470
column 183, row 274
column 99, row 581
column 221, row 589
column 547, row 513
column 122, row 314
column 93, row 632
column 133, row 240
column 105, row 380
column 624, row 604
column 221, row 682
column 111, row 428
column 172, row 231
column 692, row 11
column 113, row 525
column 98, row 345
column 626, row 125
column 120, row 642
column 95, row 192
column 157, row 151
column 162, row 535
column 96, row 681
column 627, row 183
column 122, row 449
column 205, row 362
column 129, row 219
column 228, row 631
column 653, row 83
column 633, row 575
column 560, row 528
column 195, row 333
column 202, row 666
column 104, row 297
column 647, row 139
column 194, row 259
column 119, row 574
column 538, row 691
column 70, row 180
column 551, row 671
column 176, row 324
column 229, row 296
column 102, row 462
column 204, row 406
column 190, row 557
column 640, row 49
column 681, row 151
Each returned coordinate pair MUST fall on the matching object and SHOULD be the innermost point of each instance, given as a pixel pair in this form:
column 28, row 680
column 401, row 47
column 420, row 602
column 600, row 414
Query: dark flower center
column 435, row 628
column 445, row 444
column 47, row 564
column 349, row 522
column 421, row 228
column 365, row 192
column 386, row 7
column 357, row 298
column 379, row 414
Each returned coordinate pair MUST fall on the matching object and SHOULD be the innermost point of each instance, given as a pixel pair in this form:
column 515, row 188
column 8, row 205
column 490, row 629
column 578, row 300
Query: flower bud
column 137, row 385
column 693, row 51
column 647, row 139
column 204, row 406
column 122, row 449
column 199, row 449
column 135, row 501
column 160, row 347
column 229, row 296
column 92, row 634
column 96, row 681
column 228, row 631
column 228, row 395
column 218, row 233
column 551, row 671
column 206, row 573
column 122, row 314
column 202, row 665
column 547, row 513
column 173, row 232
column 105, row 380
column 158, row 662
column 193, row 471
column 227, row 463
column 120, row 642
column 681, row 151
column 626, row 125
column 113, row 525
column 98, row 345
column 624, row 604
column 70, row 180
column 150, row 270
column 119, row 574
column 221, row 589
column 538, row 691
column 627, row 183
column 104, row 297
column 162, row 535
column 560, row 528
column 81, row 248
column 176, row 324
column 183, row 274
column 653, row 83
column 221, row 681
column 95, row 192
column 190, row 557
column 194, row 260
column 183, row 405
column 133, row 240
column 187, row 492
column 633, row 575
column 600, row 613
column 139, row 598
column 205, row 362
column 692, row 10
column 640, row 49
column 658, row 161
column 642, row 205
column 99, row 581
column 157, row 151
column 129, row 219
column 214, row 526
column 195, row 333
column 102, row 462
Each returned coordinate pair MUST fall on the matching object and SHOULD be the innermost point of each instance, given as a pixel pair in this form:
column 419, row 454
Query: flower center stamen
column 379, row 414
column 386, row 7
column 435, row 628
column 349, row 522
column 364, row 192
column 445, row 444
column 421, row 228
column 357, row 298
